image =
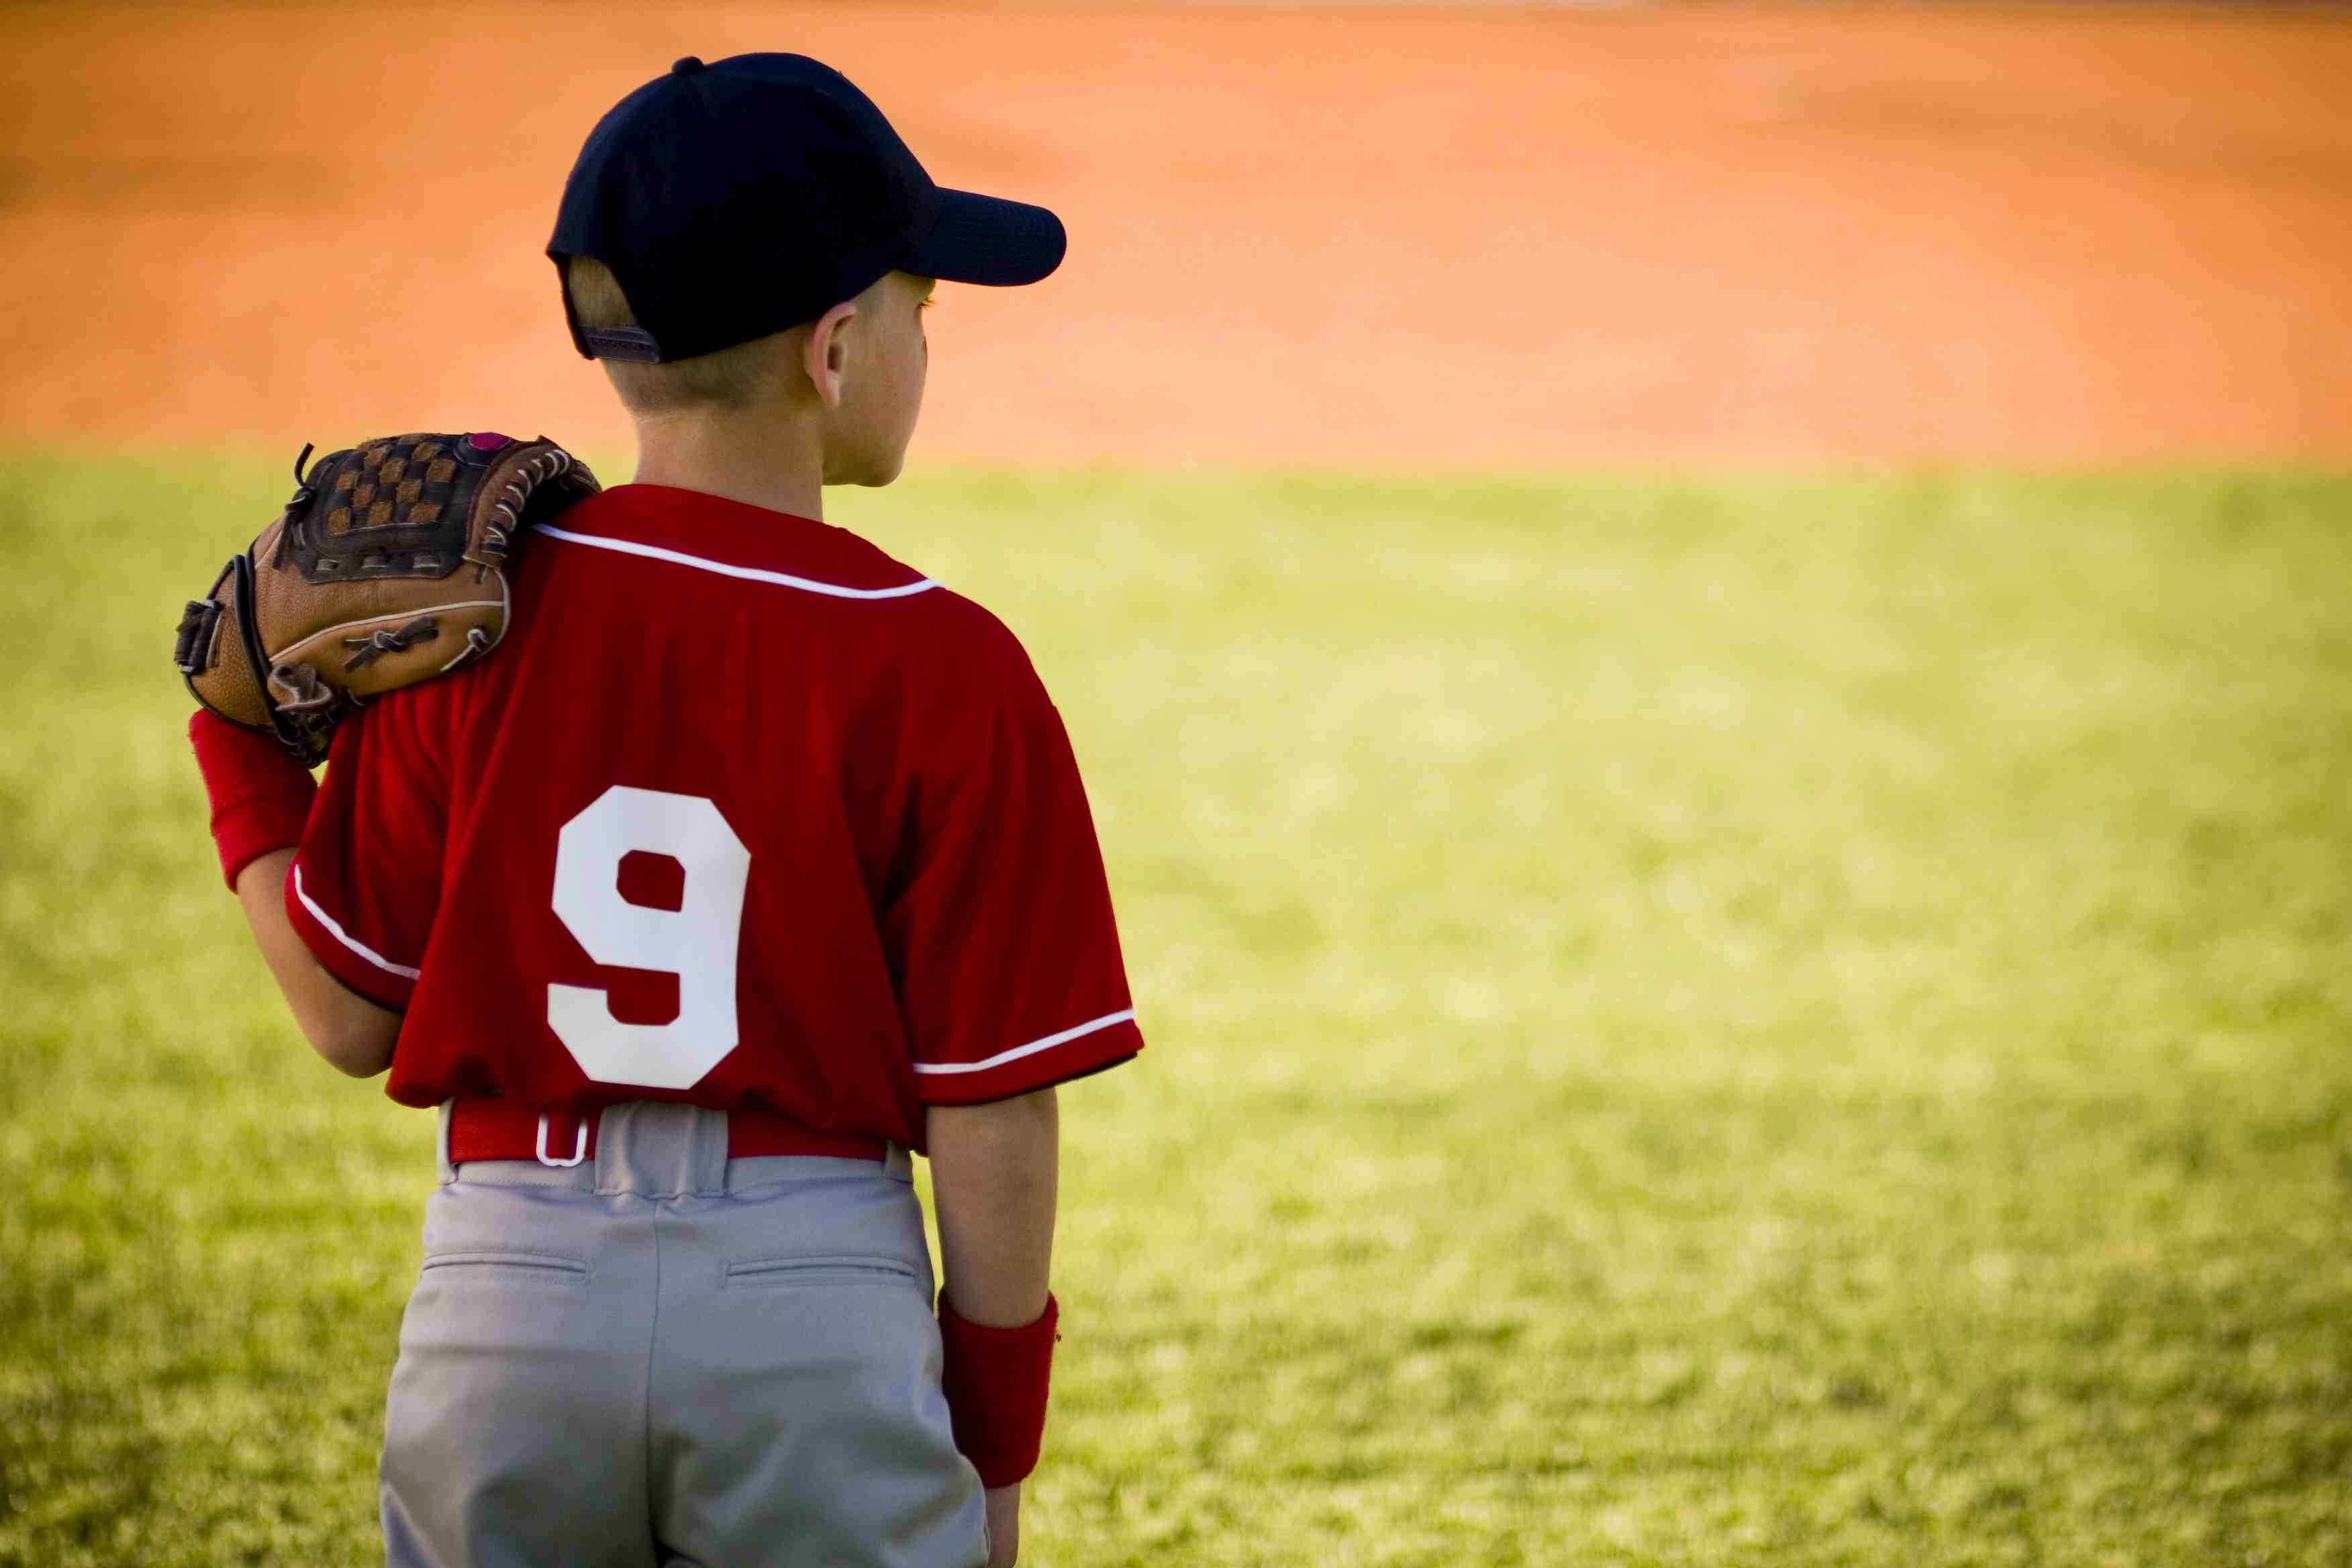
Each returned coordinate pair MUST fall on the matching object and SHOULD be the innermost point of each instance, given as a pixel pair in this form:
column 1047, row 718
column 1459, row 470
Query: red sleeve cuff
column 260, row 797
column 360, row 967
column 1075, row 1052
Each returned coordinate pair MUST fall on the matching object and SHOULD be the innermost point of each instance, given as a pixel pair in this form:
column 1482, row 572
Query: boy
column 754, row 860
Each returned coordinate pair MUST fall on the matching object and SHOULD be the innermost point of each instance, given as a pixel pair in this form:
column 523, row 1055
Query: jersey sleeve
column 1001, row 941
column 366, row 881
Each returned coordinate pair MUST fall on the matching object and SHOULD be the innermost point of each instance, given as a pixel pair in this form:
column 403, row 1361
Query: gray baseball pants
column 664, row 1358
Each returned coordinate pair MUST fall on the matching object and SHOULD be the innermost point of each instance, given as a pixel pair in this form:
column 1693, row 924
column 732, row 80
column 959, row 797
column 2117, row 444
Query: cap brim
column 986, row 239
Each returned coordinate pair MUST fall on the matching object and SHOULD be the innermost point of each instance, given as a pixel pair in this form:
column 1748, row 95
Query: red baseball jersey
column 743, row 811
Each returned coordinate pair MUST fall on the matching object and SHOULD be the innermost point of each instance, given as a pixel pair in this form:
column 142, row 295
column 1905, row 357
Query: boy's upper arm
column 366, row 881
column 1001, row 937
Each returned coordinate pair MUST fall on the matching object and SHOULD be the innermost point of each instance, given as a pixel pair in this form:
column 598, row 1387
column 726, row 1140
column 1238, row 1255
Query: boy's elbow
column 354, row 1057
column 355, row 1039
column 356, row 1060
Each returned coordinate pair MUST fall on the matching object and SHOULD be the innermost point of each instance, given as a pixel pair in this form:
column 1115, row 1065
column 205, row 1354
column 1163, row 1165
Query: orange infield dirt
column 1364, row 237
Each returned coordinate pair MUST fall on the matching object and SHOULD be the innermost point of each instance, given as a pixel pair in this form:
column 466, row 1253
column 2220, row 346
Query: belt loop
column 616, row 1147
column 579, row 1144
column 441, row 1165
column 706, row 1152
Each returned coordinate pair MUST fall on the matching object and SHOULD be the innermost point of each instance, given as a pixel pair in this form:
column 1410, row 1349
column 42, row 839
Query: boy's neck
column 755, row 457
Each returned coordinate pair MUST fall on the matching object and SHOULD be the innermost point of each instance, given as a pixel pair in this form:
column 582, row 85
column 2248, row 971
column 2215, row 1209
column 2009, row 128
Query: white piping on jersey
column 753, row 573
column 340, row 935
column 1032, row 1049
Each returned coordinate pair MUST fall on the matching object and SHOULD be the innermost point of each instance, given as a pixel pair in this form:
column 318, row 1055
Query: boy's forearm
column 351, row 1032
column 995, row 1174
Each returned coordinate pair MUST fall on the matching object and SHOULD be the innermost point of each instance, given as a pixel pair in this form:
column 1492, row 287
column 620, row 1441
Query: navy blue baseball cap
column 737, row 199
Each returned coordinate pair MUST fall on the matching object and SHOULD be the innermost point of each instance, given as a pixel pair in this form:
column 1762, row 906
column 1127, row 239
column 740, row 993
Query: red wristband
column 260, row 797
column 995, row 1380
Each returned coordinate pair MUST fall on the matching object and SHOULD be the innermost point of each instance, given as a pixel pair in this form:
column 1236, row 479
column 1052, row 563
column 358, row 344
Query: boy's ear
column 826, row 356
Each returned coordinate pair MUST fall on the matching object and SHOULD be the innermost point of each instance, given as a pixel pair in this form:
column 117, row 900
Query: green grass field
column 1711, row 1021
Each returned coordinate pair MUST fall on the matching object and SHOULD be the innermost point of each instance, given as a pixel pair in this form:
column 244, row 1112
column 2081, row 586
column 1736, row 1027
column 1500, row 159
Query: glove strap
column 260, row 797
column 996, row 1386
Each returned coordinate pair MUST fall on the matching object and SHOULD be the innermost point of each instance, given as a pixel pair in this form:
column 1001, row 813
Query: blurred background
column 1385, row 233
column 1712, row 650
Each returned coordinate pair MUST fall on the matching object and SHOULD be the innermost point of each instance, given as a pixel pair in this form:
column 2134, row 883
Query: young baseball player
column 753, row 861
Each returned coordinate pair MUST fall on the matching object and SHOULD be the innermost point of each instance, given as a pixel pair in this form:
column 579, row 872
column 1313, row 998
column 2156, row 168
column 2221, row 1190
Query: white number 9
column 698, row 942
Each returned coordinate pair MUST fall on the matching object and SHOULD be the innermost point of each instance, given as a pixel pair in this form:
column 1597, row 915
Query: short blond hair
column 734, row 377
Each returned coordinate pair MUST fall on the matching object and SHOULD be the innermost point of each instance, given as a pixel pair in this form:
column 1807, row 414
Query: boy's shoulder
column 733, row 540
column 858, row 590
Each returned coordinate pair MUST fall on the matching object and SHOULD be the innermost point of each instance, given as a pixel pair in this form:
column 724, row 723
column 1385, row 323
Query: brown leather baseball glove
column 383, row 569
